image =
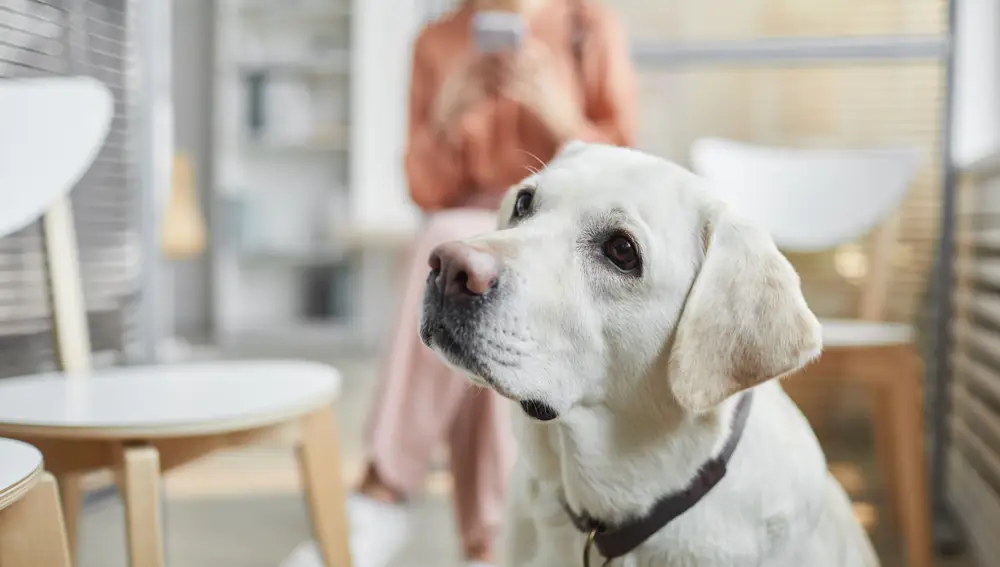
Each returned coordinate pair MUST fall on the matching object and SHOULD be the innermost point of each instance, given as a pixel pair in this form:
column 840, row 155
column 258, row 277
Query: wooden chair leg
column 139, row 483
column 883, row 436
column 911, row 472
column 71, row 497
column 319, row 465
column 32, row 533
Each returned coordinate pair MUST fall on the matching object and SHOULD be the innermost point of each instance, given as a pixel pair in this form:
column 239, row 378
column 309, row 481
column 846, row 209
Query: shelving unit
column 282, row 153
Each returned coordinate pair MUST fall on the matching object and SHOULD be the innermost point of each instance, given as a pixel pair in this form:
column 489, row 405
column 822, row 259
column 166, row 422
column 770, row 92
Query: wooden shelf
column 261, row 14
column 377, row 237
column 336, row 63
column 320, row 256
column 329, row 139
column 302, row 334
column 283, row 177
column 319, row 146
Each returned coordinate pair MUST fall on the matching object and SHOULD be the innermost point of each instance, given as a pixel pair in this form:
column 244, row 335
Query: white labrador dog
column 629, row 312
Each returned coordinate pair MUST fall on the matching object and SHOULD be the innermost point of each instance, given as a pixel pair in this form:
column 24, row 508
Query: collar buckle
column 588, row 545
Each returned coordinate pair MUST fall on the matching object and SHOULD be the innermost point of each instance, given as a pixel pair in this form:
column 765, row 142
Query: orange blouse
column 498, row 140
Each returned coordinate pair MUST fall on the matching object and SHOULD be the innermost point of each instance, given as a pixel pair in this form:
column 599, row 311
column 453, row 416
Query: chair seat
column 856, row 333
column 20, row 464
column 166, row 400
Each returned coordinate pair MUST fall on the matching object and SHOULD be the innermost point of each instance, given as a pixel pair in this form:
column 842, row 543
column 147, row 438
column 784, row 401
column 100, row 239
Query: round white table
column 165, row 401
column 32, row 532
column 142, row 421
column 20, row 468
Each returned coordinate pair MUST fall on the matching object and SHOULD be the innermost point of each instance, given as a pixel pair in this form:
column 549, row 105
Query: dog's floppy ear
column 745, row 320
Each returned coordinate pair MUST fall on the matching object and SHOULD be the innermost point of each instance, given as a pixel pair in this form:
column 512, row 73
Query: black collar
column 616, row 541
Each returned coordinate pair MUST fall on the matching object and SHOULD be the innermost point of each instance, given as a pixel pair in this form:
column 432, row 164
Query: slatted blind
column 56, row 37
column 974, row 459
column 700, row 20
column 829, row 105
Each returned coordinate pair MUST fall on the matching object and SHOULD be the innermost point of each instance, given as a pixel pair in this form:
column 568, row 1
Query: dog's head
column 612, row 273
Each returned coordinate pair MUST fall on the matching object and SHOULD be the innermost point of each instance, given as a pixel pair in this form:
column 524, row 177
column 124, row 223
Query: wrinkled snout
column 461, row 270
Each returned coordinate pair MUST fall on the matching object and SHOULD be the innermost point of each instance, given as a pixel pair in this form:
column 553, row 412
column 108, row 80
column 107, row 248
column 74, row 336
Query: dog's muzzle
column 463, row 284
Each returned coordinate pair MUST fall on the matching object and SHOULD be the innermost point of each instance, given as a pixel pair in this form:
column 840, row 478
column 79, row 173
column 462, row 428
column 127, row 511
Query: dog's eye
column 522, row 204
column 622, row 252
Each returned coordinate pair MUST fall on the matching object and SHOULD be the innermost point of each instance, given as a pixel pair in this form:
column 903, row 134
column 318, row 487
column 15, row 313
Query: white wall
column 154, row 146
column 977, row 80
column 380, row 68
column 193, row 43
column 380, row 73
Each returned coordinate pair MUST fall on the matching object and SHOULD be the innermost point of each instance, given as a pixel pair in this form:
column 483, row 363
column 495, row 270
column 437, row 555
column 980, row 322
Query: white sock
column 378, row 532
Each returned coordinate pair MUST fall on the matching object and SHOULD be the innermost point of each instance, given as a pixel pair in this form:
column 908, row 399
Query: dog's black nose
column 462, row 269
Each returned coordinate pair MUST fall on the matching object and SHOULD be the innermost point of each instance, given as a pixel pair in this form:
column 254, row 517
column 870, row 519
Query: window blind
column 712, row 20
column 830, row 105
column 974, row 453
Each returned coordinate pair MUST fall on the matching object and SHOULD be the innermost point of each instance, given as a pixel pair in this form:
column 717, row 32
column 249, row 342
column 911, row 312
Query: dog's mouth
column 539, row 410
column 442, row 339
column 439, row 337
column 451, row 329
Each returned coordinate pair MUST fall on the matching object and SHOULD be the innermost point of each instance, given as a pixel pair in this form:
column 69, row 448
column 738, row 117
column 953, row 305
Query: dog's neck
column 615, row 464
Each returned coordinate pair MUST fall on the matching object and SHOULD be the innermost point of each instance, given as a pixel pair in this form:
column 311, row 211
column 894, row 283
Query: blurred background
column 250, row 201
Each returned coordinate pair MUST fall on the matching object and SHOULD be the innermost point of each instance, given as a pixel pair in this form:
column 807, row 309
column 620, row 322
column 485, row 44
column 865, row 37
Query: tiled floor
column 243, row 509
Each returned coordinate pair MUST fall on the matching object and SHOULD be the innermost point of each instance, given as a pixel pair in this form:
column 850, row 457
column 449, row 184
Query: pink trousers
column 421, row 403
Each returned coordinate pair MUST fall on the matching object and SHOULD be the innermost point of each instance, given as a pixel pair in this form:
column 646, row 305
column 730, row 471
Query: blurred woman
column 478, row 123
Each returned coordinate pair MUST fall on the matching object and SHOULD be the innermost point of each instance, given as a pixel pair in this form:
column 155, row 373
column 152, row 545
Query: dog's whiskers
column 530, row 168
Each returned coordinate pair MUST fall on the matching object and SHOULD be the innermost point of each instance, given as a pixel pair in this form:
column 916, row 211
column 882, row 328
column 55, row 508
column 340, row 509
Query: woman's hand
column 472, row 79
column 534, row 83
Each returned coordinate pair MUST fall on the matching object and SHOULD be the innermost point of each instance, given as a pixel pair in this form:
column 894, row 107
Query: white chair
column 139, row 421
column 815, row 200
column 32, row 533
